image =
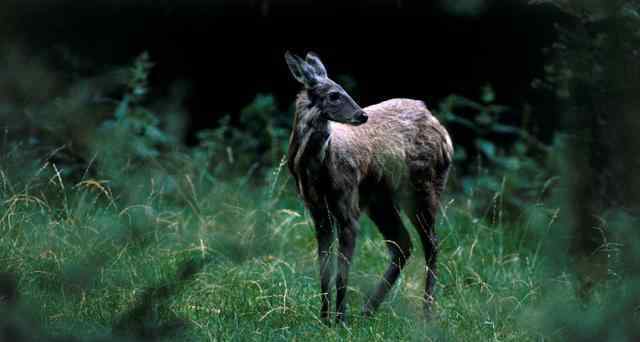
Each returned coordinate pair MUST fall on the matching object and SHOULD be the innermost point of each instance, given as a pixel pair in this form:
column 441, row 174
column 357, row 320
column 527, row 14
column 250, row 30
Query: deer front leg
column 324, row 236
column 346, row 213
column 347, row 244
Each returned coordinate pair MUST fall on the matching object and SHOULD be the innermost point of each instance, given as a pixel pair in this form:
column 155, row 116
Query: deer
column 386, row 158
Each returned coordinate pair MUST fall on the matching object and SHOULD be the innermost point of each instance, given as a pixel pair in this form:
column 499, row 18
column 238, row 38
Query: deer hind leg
column 423, row 216
column 324, row 236
column 386, row 216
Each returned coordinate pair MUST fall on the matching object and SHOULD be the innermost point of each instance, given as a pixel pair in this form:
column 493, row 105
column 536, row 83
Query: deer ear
column 314, row 61
column 304, row 72
column 295, row 66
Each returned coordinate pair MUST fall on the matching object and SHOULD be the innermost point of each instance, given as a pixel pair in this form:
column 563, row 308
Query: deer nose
column 363, row 117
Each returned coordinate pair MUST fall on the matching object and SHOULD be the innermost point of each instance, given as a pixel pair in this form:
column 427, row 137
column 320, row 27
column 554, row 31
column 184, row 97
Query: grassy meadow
column 179, row 255
column 187, row 255
column 125, row 234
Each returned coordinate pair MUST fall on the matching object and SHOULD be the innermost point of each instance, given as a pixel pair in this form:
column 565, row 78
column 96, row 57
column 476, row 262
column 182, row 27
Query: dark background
column 417, row 49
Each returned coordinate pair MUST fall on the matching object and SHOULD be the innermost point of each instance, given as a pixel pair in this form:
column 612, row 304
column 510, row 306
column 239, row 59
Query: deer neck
column 310, row 140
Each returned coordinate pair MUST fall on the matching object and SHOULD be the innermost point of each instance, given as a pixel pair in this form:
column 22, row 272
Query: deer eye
column 334, row 97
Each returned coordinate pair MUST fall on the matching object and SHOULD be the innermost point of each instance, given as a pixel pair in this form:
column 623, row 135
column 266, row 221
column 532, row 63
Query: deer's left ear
column 314, row 61
column 304, row 72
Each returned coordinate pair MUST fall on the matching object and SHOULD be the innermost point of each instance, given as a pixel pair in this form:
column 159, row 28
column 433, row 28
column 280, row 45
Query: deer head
column 332, row 101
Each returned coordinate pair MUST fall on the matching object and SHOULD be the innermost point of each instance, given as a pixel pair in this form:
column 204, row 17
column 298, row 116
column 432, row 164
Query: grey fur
column 346, row 160
column 313, row 60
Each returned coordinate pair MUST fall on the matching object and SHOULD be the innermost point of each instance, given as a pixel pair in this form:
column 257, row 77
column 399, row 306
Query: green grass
column 227, row 261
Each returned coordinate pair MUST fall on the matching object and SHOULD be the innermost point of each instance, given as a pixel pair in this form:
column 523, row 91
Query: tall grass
column 123, row 234
column 195, row 258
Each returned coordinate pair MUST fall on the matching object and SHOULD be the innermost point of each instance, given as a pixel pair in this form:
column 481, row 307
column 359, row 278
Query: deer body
column 345, row 160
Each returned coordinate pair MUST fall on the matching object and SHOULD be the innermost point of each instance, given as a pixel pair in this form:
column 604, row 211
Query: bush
column 501, row 163
column 250, row 147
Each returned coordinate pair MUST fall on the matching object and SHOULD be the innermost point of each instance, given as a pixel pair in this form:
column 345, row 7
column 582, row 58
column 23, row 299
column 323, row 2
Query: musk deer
column 345, row 160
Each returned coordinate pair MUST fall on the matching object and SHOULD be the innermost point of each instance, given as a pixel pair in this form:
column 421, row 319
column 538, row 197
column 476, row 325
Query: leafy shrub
column 75, row 121
column 501, row 162
column 255, row 144
column 136, row 127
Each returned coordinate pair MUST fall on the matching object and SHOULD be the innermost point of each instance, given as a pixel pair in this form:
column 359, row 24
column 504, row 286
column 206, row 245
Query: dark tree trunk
column 604, row 149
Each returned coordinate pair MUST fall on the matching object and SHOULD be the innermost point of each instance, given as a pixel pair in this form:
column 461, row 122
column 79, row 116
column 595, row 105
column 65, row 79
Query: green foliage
column 217, row 260
column 597, row 54
column 134, row 126
column 255, row 143
column 156, row 242
column 507, row 164
column 72, row 117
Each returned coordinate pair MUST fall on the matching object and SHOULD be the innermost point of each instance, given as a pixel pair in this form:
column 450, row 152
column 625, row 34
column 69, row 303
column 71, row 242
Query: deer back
column 402, row 139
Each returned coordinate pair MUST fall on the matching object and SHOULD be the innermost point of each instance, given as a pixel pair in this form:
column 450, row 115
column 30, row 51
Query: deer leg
column 423, row 217
column 346, row 211
column 346, row 242
column 324, row 236
column 398, row 241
